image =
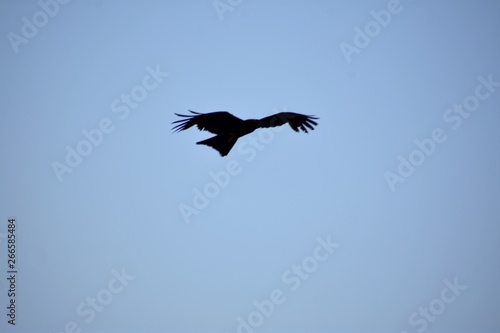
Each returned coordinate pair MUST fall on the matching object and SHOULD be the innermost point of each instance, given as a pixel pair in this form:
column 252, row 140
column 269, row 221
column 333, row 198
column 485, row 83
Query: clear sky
column 385, row 218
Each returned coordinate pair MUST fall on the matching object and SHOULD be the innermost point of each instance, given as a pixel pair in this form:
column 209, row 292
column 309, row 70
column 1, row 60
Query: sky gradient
column 385, row 218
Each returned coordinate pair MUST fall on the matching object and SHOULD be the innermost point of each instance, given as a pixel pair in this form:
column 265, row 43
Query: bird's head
column 253, row 122
column 251, row 125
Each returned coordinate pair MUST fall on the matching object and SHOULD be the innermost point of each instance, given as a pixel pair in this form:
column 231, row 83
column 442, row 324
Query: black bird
column 229, row 128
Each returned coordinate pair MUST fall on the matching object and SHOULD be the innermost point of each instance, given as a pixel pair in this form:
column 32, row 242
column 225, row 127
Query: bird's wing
column 214, row 122
column 295, row 120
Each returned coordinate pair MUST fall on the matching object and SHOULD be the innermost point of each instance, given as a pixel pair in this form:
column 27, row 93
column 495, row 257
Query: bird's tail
column 221, row 143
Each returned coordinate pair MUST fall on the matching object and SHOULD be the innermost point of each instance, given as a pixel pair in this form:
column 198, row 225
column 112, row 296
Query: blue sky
column 384, row 218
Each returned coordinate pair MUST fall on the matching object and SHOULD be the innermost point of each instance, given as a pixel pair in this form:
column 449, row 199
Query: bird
column 229, row 129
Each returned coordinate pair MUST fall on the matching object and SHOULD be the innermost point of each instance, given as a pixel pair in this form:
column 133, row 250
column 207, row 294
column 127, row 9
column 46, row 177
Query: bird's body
column 230, row 128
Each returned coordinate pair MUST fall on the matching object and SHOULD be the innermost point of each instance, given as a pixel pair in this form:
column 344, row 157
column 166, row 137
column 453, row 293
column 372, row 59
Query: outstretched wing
column 215, row 122
column 295, row 120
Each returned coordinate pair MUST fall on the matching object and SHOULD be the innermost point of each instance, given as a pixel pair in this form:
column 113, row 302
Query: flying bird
column 229, row 129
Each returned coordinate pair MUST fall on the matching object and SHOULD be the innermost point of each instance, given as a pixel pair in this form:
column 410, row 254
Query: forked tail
column 221, row 143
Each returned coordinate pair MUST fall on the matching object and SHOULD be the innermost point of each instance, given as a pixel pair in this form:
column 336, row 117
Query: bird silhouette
column 230, row 128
